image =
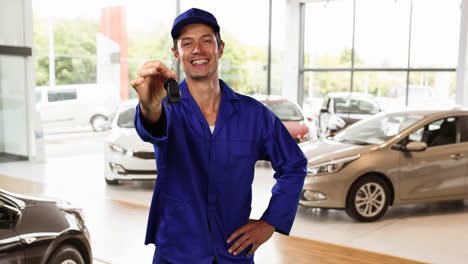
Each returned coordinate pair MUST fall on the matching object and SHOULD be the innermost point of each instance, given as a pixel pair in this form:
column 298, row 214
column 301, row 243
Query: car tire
column 96, row 122
column 111, row 182
column 368, row 199
column 66, row 254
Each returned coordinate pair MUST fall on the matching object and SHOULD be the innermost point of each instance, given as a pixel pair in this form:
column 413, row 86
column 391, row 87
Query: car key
column 173, row 91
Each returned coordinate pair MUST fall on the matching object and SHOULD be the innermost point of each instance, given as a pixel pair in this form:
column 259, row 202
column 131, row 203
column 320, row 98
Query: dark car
column 342, row 109
column 34, row 230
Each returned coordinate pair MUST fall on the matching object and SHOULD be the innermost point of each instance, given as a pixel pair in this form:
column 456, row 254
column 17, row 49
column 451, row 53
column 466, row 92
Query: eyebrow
column 203, row 36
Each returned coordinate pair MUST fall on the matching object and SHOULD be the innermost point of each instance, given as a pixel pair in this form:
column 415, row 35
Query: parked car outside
column 342, row 109
column 34, row 230
column 126, row 156
column 389, row 159
column 68, row 107
column 301, row 128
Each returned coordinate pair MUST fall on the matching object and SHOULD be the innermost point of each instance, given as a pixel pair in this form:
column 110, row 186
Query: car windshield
column 377, row 129
column 354, row 106
column 126, row 118
column 285, row 111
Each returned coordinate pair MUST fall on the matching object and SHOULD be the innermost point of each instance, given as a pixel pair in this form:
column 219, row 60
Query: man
column 206, row 147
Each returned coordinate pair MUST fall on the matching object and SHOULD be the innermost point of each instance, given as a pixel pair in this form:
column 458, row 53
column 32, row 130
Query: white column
column 291, row 50
column 36, row 143
column 461, row 93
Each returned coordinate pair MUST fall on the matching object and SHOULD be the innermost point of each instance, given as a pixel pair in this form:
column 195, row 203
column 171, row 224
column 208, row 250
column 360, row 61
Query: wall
column 16, row 77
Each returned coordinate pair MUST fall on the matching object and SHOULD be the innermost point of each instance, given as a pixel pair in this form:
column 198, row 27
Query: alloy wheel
column 370, row 199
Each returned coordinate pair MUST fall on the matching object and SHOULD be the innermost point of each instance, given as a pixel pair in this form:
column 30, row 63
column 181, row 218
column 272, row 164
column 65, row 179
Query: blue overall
column 203, row 191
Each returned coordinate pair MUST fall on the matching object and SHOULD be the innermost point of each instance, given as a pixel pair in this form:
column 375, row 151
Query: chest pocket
column 242, row 152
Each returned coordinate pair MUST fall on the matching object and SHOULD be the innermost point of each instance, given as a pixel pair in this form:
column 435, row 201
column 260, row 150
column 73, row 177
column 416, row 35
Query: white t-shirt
column 212, row 129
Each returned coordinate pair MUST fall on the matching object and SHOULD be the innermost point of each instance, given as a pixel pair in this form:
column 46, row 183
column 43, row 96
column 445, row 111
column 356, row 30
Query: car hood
column 129, row 139
column 28, row 201
column 296, row 128
column 323, row 150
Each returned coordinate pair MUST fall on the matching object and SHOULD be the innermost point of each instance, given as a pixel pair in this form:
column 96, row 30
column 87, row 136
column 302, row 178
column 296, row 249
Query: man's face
column 198, row 51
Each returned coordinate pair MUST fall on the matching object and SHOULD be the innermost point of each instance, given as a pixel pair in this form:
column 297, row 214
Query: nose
column 198, row 48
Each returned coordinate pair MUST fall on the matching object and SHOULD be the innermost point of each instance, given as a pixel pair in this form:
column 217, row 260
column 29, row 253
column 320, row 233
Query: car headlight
column 331, row 166
column 68, row 207
column 121, row 150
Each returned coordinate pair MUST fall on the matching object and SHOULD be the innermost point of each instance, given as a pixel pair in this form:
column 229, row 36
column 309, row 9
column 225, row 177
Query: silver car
column 389, row 159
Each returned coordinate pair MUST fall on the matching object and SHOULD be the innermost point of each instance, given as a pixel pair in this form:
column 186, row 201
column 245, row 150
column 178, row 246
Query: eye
column 207, row 41
column 186, row 44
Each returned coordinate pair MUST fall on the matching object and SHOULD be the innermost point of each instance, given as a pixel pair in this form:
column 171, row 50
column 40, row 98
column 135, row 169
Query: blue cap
column 193, row 16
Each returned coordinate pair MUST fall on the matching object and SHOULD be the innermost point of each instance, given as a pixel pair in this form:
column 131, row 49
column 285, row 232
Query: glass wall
column 329, row 34
column 388, row 49
column 244, row 63
column 381, row 33
column 97, row 48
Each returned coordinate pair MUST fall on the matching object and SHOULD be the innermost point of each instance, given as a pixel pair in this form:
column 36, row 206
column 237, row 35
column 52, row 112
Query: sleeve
column 153, row 132
column 290, row 167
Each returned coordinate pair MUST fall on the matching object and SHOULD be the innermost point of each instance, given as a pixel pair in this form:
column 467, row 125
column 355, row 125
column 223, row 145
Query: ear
column 176, row 54
column 221, row 50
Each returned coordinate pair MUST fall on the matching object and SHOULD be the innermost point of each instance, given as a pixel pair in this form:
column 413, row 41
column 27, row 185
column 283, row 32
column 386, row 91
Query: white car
column 66, row 107
column 126, row 156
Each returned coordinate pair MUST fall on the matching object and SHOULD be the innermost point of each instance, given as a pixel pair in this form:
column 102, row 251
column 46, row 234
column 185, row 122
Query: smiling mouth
column 199, row 62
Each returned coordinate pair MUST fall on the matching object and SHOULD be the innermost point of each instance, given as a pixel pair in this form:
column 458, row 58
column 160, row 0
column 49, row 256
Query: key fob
column 173, row 91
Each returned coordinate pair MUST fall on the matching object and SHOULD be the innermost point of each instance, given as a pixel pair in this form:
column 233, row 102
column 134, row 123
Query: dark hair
column 218, row 40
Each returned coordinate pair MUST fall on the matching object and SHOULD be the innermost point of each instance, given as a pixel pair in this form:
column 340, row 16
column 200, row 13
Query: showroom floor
column 116, row 215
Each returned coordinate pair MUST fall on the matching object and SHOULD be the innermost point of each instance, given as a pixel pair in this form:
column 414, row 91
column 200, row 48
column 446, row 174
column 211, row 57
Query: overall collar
column 227, row 105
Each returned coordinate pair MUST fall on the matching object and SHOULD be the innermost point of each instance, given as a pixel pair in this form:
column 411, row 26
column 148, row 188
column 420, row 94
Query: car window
column 61, row 95
column 38, row 96
column 5, row 215
column 325, row 102
column 344, row 105
column 463, row 128
column 285, row 111
column 367, row 108
column 417, row 135
column 126, row 118
column 437, row 133
column 435, row 125
column 377, row 129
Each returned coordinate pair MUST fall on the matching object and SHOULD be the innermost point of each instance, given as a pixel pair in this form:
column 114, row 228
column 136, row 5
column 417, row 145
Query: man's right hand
column 149, row 86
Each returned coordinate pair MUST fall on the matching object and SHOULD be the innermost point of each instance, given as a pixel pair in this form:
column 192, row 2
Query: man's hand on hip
column 256, row 232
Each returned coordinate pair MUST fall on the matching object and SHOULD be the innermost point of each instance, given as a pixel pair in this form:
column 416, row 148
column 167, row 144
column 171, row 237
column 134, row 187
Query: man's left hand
column 256, row 232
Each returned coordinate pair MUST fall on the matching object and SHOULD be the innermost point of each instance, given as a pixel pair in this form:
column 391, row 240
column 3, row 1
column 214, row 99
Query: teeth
column 200, row 61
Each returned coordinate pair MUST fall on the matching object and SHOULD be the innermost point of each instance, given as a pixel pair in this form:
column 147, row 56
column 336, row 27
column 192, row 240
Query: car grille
column 143, row 155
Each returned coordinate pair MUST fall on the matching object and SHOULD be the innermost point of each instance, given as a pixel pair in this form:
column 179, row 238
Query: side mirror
column 416, row 146
column 9, row 216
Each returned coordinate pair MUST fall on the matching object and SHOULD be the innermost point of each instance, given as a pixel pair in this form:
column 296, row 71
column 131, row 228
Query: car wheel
column 66, row 255
column 368, row 199
column 97, row 122
column 111, row 182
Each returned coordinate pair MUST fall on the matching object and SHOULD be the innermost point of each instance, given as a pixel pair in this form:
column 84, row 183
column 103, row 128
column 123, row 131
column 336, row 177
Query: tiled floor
column 111, row 232
column 431, row 232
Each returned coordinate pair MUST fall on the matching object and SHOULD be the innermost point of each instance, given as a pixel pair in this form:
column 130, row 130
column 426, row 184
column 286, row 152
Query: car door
column 440, row 170
column 60, row 107
column 11, row 248
column 463, row 121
